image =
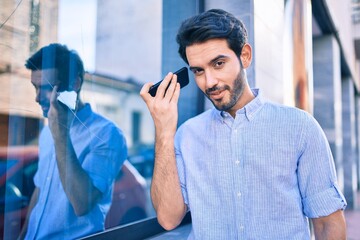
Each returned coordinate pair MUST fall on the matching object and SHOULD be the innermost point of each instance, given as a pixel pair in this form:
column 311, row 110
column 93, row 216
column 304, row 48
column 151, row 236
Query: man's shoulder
column 278, row 109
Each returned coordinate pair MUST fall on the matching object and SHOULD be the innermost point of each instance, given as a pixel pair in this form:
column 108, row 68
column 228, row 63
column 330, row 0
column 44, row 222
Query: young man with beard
column 247, row 169
column 80, row 153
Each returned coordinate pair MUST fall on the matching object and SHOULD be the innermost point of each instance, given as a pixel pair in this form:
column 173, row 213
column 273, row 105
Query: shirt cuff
column 324, row 203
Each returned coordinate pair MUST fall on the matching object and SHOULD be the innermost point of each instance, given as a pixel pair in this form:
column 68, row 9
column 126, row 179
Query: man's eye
column 196, row 71
column 219, row 64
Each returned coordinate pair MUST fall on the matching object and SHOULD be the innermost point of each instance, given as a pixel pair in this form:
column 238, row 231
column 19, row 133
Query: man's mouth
column 217, row 94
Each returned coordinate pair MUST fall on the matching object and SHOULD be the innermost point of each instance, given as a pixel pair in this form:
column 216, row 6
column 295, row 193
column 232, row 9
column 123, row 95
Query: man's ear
column 246, row 55
column 77, row 84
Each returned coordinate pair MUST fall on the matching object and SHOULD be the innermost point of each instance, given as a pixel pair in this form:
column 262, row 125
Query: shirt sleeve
column 105, row 159
column 316, row 173
column 45, row 144
column 181, row 166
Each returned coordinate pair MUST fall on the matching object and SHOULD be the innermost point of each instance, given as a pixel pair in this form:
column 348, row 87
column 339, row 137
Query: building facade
column 25, row 26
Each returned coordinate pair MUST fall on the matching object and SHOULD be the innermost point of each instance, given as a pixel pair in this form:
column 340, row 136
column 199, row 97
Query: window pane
column 90, row 166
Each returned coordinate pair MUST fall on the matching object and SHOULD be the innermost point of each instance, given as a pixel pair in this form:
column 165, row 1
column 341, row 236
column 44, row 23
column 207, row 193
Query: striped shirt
column 260, row 175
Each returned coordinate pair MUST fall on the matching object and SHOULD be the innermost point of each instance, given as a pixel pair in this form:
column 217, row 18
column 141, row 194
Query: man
column 248, row 169
column 80, row 153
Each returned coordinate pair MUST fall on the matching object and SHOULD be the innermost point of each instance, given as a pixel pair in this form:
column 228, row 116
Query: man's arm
column 165, row 187
column 33, row 201
column 330, row 227
column 77, row 184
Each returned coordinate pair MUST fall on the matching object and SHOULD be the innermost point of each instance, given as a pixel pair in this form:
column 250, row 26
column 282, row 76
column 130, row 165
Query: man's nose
column 211, row 80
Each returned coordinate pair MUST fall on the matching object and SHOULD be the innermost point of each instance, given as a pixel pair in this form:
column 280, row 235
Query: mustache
column 217, row 88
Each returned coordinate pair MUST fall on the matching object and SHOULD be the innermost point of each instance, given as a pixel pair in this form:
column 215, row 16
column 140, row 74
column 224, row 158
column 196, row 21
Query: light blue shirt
column 101, row 149
column 258, row 176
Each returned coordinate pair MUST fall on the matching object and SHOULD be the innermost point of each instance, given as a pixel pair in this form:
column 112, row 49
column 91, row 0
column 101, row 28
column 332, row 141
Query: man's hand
column 60, row 116
column 163, row 107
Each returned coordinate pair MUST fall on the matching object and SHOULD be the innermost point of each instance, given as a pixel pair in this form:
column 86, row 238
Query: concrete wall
column 349, row 142
column 327, row 95
column 128, row 39
column 341, row 16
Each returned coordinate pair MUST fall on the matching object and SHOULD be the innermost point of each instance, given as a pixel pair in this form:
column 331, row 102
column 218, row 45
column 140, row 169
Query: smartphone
column 68, row 98
column 182, row 78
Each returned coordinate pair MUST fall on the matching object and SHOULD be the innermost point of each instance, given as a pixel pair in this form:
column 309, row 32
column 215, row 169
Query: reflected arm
column 33, row 201
column 77, row 184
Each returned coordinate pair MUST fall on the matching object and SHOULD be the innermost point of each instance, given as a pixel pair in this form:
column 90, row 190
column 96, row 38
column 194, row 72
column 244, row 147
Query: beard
column 235, row 92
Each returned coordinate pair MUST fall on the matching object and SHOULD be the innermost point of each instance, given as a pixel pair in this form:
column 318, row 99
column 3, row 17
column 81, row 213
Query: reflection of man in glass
column 248, row 168
column 80, row 153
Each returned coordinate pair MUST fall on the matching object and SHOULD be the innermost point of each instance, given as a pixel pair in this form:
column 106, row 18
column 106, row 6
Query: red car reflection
column 18, row 166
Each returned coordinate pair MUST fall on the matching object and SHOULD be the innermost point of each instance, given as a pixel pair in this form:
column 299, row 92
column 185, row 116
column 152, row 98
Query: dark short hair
column 56, row 56
column 212, row 24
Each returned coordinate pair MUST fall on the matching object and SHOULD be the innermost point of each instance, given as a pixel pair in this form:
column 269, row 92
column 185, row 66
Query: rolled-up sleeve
column 324, row 203
column 317, row 179
column 180, row 166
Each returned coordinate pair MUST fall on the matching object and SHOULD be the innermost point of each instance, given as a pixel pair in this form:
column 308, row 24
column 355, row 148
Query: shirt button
column 241, row 228
column 239, row 194
column 237, row 162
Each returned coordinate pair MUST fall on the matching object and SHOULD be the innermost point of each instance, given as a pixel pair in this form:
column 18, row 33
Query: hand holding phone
column 182, row 78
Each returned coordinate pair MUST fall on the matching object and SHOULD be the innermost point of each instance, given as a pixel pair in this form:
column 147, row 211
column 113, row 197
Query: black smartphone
column 182, row 78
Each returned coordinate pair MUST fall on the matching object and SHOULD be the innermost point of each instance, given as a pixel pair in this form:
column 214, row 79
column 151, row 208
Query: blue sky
column 77, row 26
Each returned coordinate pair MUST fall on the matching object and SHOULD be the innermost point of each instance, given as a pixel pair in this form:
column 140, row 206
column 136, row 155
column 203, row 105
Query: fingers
column 164, row 85
column 54, row 95
column 144, row 92
column 165, row 90
column 170, row 90
column 176, row 95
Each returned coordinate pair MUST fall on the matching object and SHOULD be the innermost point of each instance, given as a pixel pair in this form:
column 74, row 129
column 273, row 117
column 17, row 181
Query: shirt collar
column 249, row 109
column 252, row 107
column 84, row 113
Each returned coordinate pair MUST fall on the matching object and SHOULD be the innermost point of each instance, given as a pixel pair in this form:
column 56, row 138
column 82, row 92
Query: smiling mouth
column 216, row 95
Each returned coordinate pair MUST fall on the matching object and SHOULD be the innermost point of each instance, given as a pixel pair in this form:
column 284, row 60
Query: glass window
column 91, row 162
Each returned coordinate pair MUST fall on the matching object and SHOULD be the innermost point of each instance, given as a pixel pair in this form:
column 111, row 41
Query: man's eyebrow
column 215, row 59
column 195, row 68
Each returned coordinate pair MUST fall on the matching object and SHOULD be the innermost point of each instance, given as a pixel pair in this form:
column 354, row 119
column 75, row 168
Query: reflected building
column 119, row 100
column 128, row 46
column 25, row 25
